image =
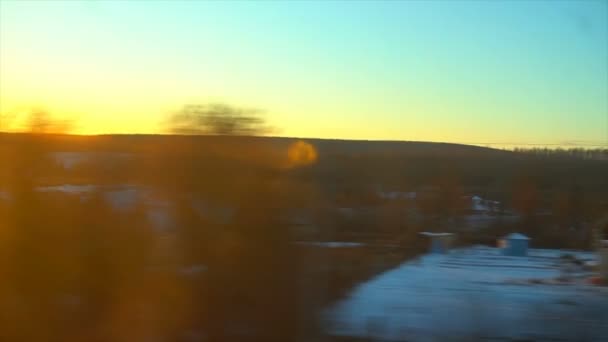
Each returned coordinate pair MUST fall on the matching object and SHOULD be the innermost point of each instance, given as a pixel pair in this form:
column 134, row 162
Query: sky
column 483, row 72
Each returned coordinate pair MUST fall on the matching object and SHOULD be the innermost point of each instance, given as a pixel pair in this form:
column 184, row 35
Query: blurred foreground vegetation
column 238, row 260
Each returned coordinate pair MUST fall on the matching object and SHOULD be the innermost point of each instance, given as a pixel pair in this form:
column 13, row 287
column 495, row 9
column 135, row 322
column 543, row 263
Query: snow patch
column 472, row 292
column 68, row 188
column 392, row 195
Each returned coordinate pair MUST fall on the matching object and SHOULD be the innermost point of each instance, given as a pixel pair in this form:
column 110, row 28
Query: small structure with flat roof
column 440, row 242
column 514, row 244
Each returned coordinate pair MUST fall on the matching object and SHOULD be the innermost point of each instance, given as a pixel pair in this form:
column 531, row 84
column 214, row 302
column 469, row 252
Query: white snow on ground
column 473, row 294
column 70, row 159
column 68, row 188
column 123, row 198
column 397, row 195
column 482, row 205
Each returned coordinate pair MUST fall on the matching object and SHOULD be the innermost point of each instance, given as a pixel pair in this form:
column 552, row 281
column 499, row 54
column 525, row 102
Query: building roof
column 516, row 236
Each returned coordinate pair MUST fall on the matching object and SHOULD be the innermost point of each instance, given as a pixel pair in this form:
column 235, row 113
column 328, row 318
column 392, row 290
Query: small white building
column 514, row 244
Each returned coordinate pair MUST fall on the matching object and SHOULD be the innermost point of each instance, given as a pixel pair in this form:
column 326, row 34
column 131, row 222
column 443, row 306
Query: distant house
column 440, row 242
column 479, row 205
column 514, row 244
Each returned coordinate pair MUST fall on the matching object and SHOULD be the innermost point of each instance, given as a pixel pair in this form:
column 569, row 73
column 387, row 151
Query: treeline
column 574, row 152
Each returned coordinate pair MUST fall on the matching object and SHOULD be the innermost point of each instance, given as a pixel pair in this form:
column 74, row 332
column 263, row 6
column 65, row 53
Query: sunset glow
column 472, row 72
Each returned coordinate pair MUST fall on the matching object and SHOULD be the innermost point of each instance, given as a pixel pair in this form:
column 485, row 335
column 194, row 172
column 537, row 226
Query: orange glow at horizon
column 301, row 153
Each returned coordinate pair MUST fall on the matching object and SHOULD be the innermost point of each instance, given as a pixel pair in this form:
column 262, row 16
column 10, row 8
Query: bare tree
column 217, row 119
column 6, row 120
column 36, row 121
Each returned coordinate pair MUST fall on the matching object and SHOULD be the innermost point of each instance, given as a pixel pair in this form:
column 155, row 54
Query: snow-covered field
column 475, row 294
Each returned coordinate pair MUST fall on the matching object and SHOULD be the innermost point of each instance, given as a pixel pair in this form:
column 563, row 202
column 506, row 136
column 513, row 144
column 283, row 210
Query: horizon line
column 478, row 144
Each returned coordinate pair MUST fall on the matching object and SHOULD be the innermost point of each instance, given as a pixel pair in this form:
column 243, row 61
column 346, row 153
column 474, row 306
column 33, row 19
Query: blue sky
column 476, row 71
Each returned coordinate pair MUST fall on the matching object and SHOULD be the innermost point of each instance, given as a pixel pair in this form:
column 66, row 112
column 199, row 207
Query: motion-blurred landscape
column 176, row 237
column 188, row 171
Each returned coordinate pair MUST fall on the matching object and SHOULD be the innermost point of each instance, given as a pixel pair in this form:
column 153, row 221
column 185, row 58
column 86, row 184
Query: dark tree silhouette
column 217, row 119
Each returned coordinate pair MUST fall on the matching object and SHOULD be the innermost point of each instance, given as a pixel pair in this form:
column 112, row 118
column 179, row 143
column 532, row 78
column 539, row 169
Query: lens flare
column 301, row 153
